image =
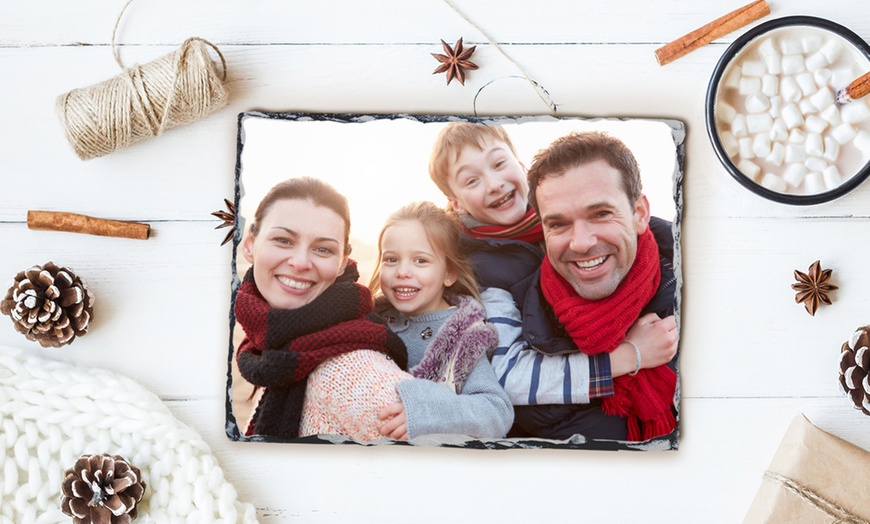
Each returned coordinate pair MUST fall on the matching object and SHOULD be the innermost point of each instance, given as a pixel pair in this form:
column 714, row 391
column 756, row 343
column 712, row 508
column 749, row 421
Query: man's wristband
column 637, row 355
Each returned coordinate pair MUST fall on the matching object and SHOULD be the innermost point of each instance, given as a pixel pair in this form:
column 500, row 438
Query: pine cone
column 854, row 368
column 102, row 489
column 49, row 304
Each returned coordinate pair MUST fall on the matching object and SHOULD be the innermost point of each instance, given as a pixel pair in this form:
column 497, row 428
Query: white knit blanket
column 53, row 412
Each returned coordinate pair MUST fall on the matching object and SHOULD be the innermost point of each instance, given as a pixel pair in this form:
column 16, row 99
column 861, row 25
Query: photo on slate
column 498, row 282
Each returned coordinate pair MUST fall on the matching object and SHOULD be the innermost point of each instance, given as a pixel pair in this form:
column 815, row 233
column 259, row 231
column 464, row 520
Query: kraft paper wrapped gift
column 814, row 478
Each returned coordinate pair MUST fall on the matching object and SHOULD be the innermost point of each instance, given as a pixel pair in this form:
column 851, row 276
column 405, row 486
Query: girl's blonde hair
column 442, row 232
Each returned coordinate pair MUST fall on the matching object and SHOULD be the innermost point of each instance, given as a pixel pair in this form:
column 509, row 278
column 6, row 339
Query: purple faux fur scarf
column 462, row 340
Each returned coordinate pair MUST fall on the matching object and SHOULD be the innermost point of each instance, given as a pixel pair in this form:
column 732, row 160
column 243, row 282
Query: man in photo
column 608, row 279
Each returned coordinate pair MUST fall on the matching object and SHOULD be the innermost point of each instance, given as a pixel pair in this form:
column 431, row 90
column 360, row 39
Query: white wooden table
column 751, row 358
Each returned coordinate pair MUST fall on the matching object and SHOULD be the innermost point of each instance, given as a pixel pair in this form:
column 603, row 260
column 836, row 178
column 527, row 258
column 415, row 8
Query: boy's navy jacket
column 515, row 265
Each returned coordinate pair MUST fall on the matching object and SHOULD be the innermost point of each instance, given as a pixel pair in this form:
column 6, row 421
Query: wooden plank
column 726, row 445
column 192, row 166
column 743, row 335
column 161, row 305
column 739, row 305
column 387, row 21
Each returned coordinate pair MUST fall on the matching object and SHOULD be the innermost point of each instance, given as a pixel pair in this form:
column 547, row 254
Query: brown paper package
column 814, row 478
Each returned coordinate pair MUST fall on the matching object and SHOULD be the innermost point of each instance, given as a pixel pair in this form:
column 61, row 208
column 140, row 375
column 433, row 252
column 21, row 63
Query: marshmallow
column 748, row 168
column 815, row 146
column 792, row 64
column 729, row 143
column 815, row 124
column 789, row 89
column 761, row 145
column 822, row 98
column 795, row 153
column 815, row 164
column 770, row 85
column 817, row 61
column 779, row 131
column 790, row 46
column 792, row 116
column 746, row 151
column 749, row 85
column 777, row 154
column 814, row 183
column 843, row 133
column 811, row 43
column 862, row 142
column 832, row 149
column 794, row 174
column 774, row 64
column 773, row 182
column 725, row 111
column 768, row 48
column 738, row 126
column 757, row 103
column 806, row 83
column 831, row 49
column 796, row 136
column 775, row 106
column 759, row 123
column 832, row 177
column 855, row 112
column 822, row 77
column 842, row 77
column 832, row 115
column 753, row 68
column 806, row 106
column 732, row 78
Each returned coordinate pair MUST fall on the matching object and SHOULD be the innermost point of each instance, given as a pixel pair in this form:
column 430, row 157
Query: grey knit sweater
column 481, row 410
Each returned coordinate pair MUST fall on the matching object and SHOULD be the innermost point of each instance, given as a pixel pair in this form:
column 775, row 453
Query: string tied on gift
column 144, row 100
column 840, row 514
column 542, row 93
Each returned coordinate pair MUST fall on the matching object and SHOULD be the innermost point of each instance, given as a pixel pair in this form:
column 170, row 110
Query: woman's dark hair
column 305, row 188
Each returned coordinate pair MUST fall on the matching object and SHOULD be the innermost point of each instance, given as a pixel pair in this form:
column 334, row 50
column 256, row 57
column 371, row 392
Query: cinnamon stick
column 857, row 89
column 715, row 29
column 74, row 223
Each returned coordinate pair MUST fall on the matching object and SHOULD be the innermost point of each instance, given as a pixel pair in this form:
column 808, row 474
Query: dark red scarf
column 528, row 229
column 283, row 346
column 599, row 326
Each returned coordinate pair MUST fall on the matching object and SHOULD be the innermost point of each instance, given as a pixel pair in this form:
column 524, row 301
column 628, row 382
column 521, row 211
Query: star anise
column 229, row 218
column 455, row 62
column 813, row 288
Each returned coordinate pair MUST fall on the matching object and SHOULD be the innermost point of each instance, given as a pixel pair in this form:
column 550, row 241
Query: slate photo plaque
column 380, row 162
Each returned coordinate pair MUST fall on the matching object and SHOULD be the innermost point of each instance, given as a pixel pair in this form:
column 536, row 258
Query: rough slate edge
column 663, row 443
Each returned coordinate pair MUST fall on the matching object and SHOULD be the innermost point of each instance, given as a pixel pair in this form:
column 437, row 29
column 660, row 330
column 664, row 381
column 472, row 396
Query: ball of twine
column 144, row 100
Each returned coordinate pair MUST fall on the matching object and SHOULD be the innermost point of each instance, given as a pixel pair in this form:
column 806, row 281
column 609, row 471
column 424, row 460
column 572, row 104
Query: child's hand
column 394, row 422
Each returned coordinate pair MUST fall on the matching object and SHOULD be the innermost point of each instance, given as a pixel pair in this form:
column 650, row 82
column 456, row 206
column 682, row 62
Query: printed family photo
column 456, row 281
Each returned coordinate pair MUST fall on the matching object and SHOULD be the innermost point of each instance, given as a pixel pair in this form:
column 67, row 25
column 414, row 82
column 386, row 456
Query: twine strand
column 840, row 514
column 542, row 93
column 115, row 32
column 484, row 86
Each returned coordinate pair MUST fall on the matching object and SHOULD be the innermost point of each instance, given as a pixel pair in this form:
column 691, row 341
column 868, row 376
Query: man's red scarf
column 599, row 326
column 528, row 229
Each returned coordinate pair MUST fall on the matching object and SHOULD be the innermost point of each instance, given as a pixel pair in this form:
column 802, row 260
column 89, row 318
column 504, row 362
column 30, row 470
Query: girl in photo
column 430, row 299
